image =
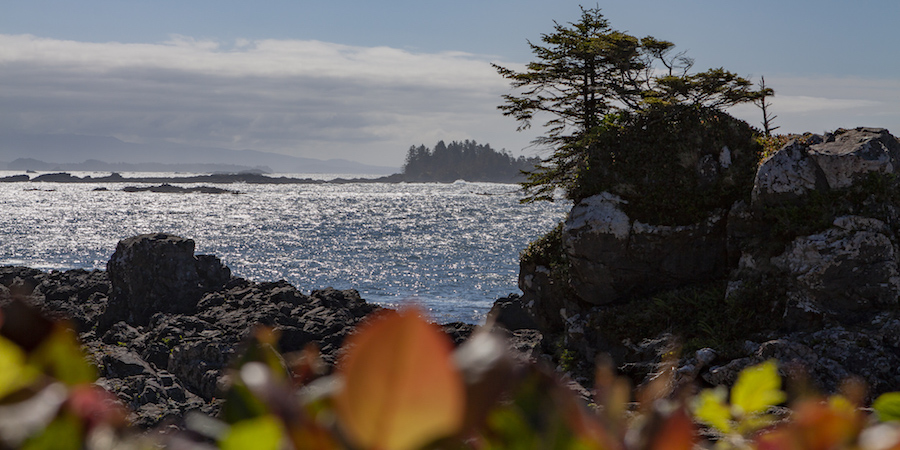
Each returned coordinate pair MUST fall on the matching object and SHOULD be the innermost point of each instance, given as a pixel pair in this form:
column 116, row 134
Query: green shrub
column 651, row 158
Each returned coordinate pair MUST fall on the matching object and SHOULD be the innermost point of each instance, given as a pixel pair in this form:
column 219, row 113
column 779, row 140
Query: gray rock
column 786, row 176
column 512, row 314
column 837, row 162
column 847, row 154
column 845, row 272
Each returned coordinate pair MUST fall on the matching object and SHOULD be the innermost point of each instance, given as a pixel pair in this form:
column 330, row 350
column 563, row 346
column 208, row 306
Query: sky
column 365, row 80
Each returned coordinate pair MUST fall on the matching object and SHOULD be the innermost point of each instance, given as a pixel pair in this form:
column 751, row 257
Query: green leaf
column 757, row 389
column 261, row 433
column 887, row 406
column 60, row 356
column 64, row 433
column 14, row 372
column 710, row 408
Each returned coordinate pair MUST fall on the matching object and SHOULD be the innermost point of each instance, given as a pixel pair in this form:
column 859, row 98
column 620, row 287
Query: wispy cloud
column 818, row 104
column 323, row 100
column 307, row 98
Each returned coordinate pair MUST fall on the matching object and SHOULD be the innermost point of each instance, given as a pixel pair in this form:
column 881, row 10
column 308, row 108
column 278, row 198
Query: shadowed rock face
column 613, row 257
column 154, row 273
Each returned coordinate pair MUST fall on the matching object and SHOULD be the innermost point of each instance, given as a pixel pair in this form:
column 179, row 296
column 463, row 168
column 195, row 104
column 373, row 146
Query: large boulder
column 834, row 161
column 806, row 273
column 154, row 273
column 613, row 258
column 844, row 273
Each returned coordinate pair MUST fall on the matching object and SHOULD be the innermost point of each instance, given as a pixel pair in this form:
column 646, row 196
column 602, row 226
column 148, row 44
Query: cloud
column 307, row 98
column 818, row 104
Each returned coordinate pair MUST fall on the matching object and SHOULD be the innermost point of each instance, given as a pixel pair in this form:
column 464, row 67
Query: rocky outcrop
column 834, row 161
column 163, row 325
column 612, row 257
column 154, row 273
column 808, row 271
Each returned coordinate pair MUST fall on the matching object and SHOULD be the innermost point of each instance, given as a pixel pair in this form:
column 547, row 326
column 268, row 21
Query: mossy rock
column 674, row 164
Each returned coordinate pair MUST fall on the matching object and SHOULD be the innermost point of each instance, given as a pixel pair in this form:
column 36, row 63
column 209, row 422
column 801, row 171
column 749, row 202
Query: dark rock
column 15, row 179
column 511, row 313
column 613, row 258
column 820, row 295
column 61, row 177
column 458, row 332
column 158, row 273
column 169, row 189
column 170, row 322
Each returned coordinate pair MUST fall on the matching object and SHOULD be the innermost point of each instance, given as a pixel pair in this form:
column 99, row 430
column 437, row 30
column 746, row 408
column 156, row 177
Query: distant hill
column 92, row 165
column 104, row 153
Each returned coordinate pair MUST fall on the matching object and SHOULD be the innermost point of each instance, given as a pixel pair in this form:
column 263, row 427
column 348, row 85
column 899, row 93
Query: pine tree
column 585, row 76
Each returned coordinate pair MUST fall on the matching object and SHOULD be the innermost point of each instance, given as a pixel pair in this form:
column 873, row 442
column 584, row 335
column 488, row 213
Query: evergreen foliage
column 593, row 82
column 465, row 160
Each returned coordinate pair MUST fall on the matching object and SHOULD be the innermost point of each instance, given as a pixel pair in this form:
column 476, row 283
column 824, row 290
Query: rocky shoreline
column 163, row 325
column 703, row 301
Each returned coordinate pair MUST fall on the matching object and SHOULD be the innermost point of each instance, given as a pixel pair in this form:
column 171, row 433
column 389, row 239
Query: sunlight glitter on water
column 452, row 248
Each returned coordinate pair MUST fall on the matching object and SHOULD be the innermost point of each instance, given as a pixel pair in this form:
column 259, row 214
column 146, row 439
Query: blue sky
column 364, row 80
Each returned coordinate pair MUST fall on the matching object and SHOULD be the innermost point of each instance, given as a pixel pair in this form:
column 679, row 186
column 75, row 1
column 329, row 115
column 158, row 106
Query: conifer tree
column 586, row 74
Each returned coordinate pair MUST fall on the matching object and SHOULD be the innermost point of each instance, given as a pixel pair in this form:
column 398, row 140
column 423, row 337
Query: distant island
column 465, row 160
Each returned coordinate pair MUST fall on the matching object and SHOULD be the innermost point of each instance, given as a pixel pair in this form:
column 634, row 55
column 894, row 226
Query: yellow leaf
column 757, row 389
column 263, row 433
column 60, row 356
column 710, row 408
column 401, row 389
column 14, row 372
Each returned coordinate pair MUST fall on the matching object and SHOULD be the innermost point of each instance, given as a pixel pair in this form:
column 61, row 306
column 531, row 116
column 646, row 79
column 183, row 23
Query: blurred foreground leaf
column 888, row 406
column 401, row 389
column 261, row 433
column 61, row 357
column 14, row 372
column 757, row 389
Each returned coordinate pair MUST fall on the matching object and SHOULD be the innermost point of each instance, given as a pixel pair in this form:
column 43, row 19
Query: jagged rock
column 174, row 321
column 845, row 272
column 511, row 313
column 154, row 273
column 823, row 299
column 833, row 162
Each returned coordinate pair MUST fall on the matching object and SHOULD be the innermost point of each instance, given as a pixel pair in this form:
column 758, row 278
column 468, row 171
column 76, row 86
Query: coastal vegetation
column 626, row 114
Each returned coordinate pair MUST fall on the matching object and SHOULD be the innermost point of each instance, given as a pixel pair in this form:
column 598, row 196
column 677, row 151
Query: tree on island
column 465, row 160
column 592, row 83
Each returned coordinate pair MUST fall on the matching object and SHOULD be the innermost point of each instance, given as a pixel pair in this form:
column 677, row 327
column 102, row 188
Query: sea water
column 450, row 248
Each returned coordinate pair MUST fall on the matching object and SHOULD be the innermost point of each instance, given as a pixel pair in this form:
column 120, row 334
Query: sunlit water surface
column 451, row 248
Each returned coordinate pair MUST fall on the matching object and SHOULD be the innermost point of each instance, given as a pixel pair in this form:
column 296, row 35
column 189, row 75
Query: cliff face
column 807, row 273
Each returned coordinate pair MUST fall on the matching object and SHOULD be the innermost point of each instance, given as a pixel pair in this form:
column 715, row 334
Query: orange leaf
column 401, row 389
column 677, row 433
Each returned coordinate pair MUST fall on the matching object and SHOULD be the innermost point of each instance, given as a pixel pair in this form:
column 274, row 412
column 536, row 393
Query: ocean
column 450, row 248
